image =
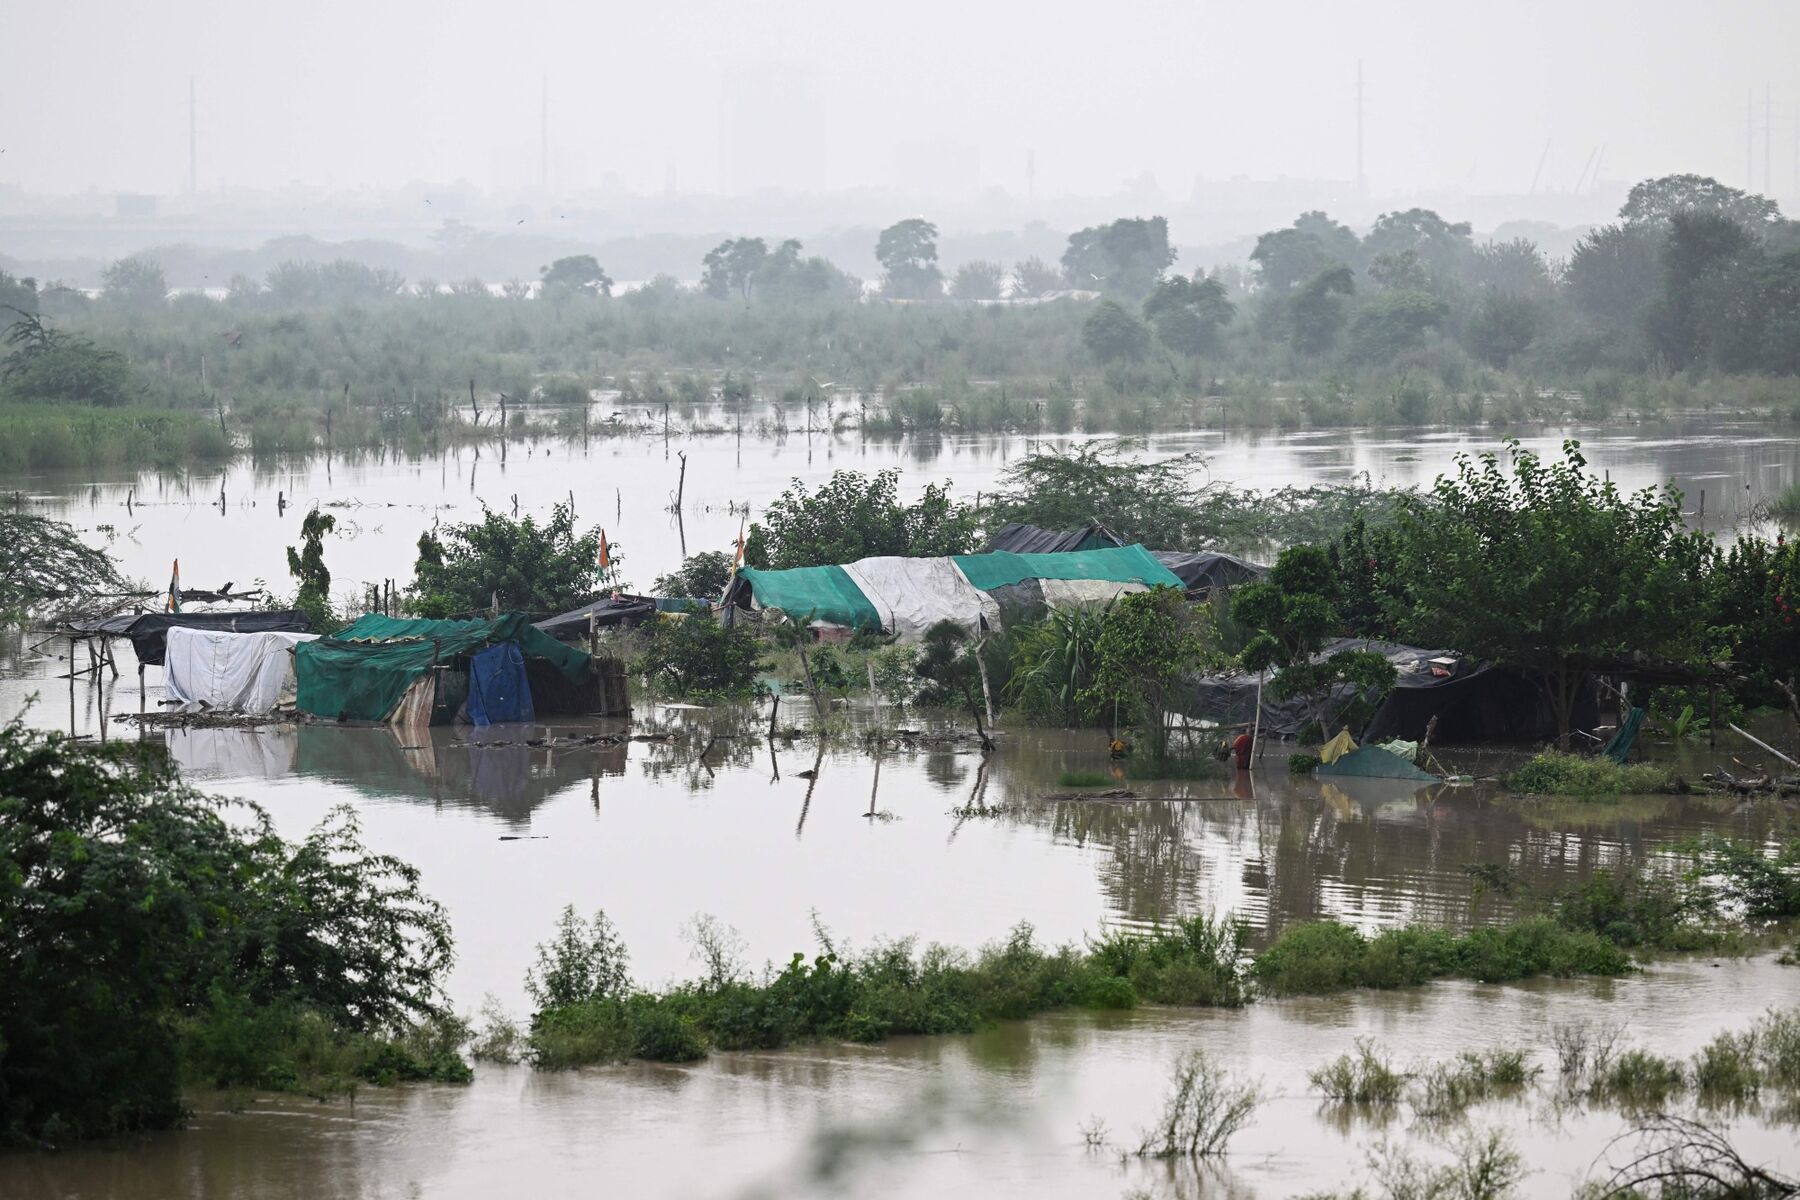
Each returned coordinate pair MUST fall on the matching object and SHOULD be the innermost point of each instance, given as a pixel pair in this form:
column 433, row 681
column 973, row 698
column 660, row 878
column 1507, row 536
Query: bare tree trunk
column 987, row 693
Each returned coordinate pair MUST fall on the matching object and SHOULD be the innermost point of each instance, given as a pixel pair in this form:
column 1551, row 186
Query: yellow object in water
column 1337, row 747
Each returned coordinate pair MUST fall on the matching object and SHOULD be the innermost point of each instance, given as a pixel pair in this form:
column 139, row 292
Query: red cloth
column 1241, row 748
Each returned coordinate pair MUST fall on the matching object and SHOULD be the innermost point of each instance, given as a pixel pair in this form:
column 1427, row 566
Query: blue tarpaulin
column 498, row 690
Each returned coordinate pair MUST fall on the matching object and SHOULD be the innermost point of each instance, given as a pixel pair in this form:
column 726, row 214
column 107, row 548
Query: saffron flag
column 739, row 561
column 175, row 587
column 605, row 554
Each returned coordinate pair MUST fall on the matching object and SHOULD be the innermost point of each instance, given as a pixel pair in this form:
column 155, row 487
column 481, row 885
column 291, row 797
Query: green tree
column 46, row 364
column 1149, row 643
column 297, row 283
column 1286, row 258
column 138, row 928
column 517, row 564
column 1779, row 303
column 702, row 574
column 978, row 280
column 1442, row 246
column 785, row 275
column 1124, row 258
column 1158, row 503
column 1187, row 314
column 1705, row 303
column 47, row 570
column 1390, row 323
column 1656, row 202
column 1316, row 312
column 1295, row 615
column 907, row 252
column 1513, row 267
column 730, row 268
column 1034, row 278
column 1549, row 570
column 852, row 516
column 1503, row 325
column 1614, row 272
column 18, row 298
column 575, row 275
column 308, row 566
column 135, row 282
column 1113, row 335
column 696, row 656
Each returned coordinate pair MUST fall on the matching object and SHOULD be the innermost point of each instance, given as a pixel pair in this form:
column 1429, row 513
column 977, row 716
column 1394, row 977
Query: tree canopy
column 852, row 516
column 517, row 564
column 907, row 252
column 1123, row 258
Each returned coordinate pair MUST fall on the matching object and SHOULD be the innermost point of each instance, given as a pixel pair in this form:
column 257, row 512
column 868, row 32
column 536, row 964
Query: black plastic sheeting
column 149, row 632
column 608, row 611
column 1473, row 703
column 1205, row 570
column 1019, row 538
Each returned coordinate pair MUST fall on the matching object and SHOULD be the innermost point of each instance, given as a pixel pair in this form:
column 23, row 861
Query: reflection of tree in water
column 1371, row 852
column 731, row 738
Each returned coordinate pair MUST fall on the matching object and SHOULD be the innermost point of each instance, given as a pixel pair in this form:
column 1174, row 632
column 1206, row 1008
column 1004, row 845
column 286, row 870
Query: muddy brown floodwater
column 505, row 834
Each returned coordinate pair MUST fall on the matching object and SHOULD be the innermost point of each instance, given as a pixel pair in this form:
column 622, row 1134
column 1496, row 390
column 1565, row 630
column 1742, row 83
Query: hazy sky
column 841, row 95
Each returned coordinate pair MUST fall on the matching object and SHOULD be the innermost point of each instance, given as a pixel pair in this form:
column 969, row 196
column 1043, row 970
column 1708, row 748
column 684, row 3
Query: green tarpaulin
column 1373, row 762
column 813, row 594
column 1116, row 564
column 362, row 672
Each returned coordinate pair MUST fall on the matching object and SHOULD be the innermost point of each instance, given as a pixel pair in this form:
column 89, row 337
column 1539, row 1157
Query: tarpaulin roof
column 1020, row 538
column 1116, row 564
column 907, row 596
column 362, row 672
column 1373, row 762
column 148, row 631
column 606, row 611
column 1205, row 569
column 813, row 594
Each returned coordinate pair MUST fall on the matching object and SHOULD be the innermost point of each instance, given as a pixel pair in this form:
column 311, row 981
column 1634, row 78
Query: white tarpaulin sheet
column 1070, row 593
column 245, row 672
column 913, row 594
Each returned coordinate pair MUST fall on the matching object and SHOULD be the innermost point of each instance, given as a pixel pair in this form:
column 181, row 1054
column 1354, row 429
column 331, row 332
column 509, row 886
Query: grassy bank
column 1555, row 774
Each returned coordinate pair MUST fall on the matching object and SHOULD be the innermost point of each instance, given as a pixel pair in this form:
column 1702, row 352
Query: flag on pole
column 175, row 587
column 739, row 561
column 605, row 555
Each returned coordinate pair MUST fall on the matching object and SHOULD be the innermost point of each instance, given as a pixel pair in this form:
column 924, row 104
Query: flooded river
column 935, row 844
column 384, row 501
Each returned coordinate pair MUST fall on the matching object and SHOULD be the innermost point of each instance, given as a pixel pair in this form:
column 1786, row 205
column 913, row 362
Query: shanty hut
column 907, row 596
column 244, row 672
column 420, row 672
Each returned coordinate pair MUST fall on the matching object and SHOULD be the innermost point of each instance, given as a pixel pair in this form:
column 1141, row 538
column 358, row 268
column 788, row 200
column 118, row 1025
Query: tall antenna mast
column 1362, row 180
column 193, row 144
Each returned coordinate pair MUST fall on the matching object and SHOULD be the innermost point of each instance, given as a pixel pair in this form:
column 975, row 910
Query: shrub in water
column 1554, row 774
column 1319, row 956
column 1361, row 1078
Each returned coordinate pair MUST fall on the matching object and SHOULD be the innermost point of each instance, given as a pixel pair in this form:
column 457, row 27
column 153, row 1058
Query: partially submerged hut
column 244, row 672
column 980, row 592
column 1200, row 571
column 421, row 672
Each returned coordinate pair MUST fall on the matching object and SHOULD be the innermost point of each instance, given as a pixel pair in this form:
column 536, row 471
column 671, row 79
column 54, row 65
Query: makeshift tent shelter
column 1020, row 538
column 249, row 672
column 1473, row 702
column 416, row 672
column 605, row 613
column 149, row 631
column 1373, row 762
column 907, row 596
column 1204, row 570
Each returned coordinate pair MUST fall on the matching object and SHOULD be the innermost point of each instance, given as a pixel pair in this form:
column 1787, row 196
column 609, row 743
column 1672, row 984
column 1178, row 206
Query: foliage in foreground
column 146, row 942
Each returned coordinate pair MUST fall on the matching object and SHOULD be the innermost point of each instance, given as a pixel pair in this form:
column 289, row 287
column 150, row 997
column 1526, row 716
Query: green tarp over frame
column 813, row 594
column 362, row 672
column 1115, row 564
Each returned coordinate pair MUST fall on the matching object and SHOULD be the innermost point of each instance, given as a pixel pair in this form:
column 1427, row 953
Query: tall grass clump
column 1364, row 1077
column 1446, row 1090
column 1555, row 774
column 1199, row 961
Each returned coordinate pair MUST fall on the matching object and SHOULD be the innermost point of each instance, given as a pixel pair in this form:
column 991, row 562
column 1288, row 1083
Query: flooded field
column 383, row 502
column 937, row 844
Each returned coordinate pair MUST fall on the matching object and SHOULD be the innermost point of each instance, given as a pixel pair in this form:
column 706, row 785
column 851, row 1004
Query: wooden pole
column 1753, row 740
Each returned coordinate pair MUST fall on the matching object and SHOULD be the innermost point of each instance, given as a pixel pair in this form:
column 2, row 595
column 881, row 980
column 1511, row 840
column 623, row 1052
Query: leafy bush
column 704, row 574
column 699, row 657
column 852, row 516
column 1325, row 956
column 518, row 564
column 139, row 931
column 1555, row 774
